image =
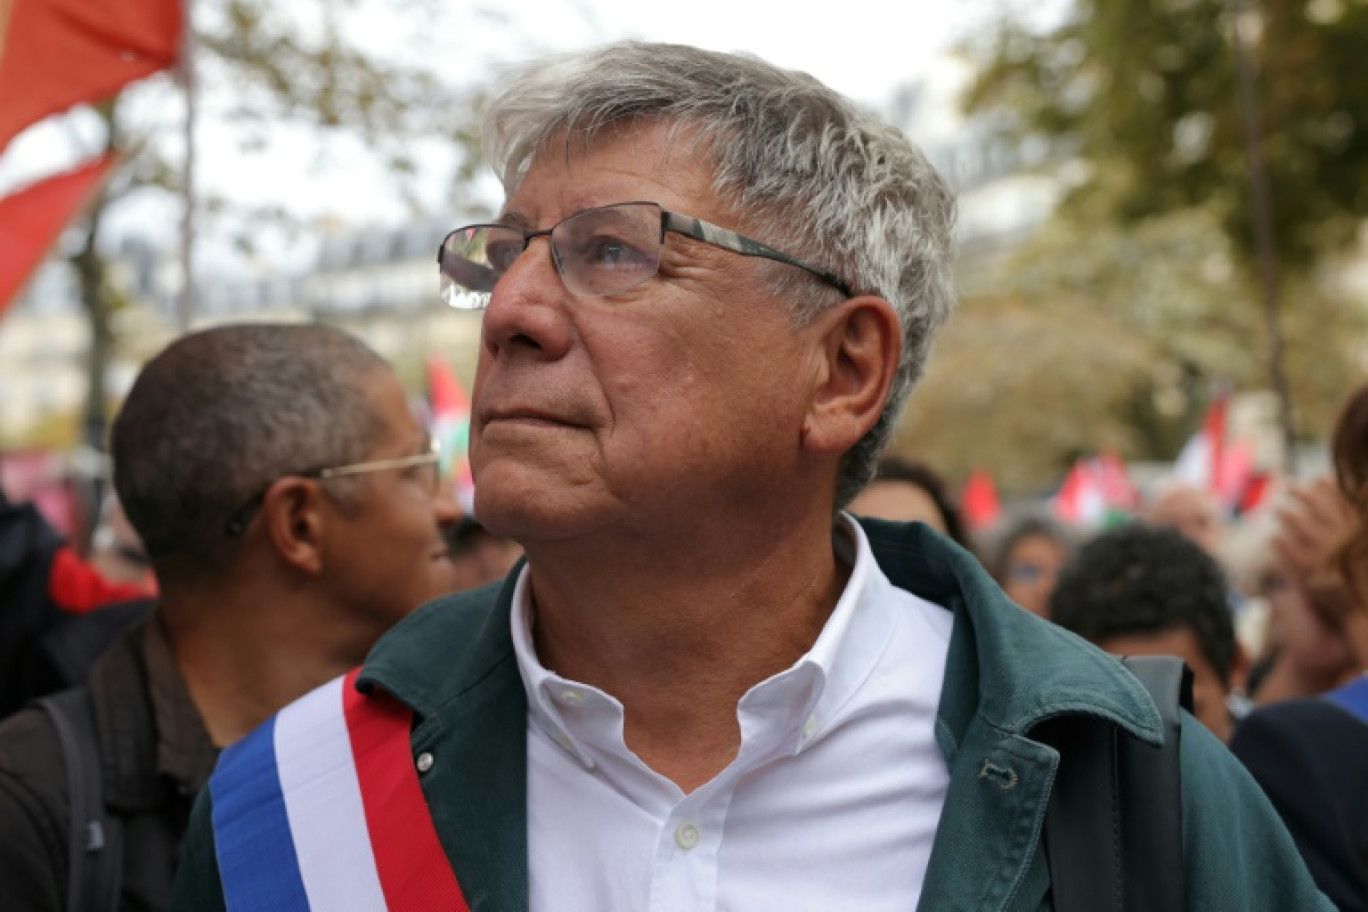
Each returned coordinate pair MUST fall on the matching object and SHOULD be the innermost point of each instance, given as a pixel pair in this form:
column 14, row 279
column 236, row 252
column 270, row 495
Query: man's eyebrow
column 514, row 220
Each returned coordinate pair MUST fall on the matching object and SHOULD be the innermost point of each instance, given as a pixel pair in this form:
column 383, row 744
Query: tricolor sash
column 320, row 810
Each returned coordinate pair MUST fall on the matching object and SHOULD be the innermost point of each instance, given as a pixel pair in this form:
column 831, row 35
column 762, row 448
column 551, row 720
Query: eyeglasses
column 1027, row 573
column 429, row 478
column 600, row 251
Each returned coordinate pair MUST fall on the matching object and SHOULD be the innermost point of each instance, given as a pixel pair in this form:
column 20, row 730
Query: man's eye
column 606, row 250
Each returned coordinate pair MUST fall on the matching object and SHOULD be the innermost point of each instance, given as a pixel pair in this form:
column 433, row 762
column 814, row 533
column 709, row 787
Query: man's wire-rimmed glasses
column 599, row 251
column 430, row 461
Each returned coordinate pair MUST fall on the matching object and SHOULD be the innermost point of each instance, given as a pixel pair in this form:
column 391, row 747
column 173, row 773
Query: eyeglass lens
column 598, row 251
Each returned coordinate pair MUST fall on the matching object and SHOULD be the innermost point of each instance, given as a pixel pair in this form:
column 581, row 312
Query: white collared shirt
column 831, row 802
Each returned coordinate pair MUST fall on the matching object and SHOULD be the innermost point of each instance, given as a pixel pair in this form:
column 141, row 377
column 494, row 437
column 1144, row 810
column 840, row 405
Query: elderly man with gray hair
column 709, row 291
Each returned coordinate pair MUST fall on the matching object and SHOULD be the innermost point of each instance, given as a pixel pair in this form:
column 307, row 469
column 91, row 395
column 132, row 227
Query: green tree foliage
column 1142, row 285
column 1149, row 88
column 1097, row 335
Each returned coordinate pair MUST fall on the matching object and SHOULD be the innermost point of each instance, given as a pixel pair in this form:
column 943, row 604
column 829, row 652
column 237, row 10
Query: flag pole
column 1261, row 217
column 185, row 309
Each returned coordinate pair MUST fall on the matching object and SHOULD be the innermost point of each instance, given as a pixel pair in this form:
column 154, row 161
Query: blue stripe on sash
column 256, row 853
column 1352, row 697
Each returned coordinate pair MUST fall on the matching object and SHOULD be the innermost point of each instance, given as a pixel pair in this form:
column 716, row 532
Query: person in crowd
column 45, row 588
column 1306, row 651
column 1025, row 554
column 1194, row 512
column 1143, row 590
column 288, row 501
column 479, row 556
column 906, row 491
column 713, row 284
column 1191, row 509
column 116, row 552
column 1308, row 754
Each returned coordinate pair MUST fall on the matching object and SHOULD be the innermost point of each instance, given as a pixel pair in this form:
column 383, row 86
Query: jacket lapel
column 477, row 790
column 986, row 855
column 452, row 663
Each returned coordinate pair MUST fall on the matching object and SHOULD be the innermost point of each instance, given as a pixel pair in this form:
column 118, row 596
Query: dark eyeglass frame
column 686, row 225
column 242, row 517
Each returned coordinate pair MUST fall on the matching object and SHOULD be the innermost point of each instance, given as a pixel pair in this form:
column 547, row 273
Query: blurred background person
column 44, row 588
column 478, row 556
column 291, row 505
column 1304, row 650
column 906, row 491
column 1143, row 590
column 116, row 551
column 1190, row 509
column 1025, row 554
column 1309, row 754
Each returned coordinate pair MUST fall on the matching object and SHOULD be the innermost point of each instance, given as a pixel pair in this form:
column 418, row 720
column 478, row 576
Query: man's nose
column 527, row 308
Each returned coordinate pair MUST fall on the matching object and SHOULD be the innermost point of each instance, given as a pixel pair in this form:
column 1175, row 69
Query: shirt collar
column 185, row 751
column 790, row 710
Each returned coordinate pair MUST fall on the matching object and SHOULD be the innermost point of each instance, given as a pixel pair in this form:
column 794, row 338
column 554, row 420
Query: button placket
column 686, row 835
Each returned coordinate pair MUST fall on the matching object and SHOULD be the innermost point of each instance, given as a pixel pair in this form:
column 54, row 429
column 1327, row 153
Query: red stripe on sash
column 414, row 872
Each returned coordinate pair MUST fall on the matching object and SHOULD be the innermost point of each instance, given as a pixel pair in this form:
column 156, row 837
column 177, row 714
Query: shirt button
column 686, row 834
column 809, row 726
column 424, row 762
column 572, row 698
column 564, row 742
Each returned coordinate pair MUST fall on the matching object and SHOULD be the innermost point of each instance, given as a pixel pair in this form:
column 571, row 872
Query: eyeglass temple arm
column 718, row 236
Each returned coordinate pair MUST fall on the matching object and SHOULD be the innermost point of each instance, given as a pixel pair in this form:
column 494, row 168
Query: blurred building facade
column 379, row 283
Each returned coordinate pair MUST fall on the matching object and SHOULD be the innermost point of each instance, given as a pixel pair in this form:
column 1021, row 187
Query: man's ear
column 292, row 514
column 860, row 344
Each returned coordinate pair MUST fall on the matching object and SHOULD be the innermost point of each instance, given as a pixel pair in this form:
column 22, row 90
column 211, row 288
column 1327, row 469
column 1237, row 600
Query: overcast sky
column 863, row 48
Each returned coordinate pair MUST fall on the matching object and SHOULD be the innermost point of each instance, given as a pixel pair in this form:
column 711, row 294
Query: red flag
column 1080, row 497
column 1202, row 460
column 450, row 409
column 1117, row 490
column 57, row 53
column 31, row 219
column 1255, row 492
column 980, row 500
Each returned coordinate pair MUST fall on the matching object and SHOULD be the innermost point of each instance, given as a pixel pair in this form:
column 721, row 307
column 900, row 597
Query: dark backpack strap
column 1114, row 824
column 95, row 840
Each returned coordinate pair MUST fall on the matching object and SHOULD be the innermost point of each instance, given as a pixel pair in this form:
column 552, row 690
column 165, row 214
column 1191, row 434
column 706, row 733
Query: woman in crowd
column 1025, row 555
column 1309, row 754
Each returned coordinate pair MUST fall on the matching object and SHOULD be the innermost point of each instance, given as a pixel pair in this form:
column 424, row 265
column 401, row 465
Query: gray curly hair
column 824, row 179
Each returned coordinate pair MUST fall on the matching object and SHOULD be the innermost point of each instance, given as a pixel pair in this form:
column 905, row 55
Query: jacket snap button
column 1005, row 777
column 424, row 762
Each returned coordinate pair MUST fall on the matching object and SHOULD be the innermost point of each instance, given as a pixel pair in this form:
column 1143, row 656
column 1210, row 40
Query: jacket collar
column 995, row 667
column 452, row 662
column 151, row 732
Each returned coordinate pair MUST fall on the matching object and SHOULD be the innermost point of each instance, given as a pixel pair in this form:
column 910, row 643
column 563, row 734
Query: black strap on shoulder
column 95, row 840
column 1114, row 824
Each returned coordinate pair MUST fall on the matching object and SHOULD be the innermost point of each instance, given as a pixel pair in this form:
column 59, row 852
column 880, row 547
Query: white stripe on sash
column 323, row 802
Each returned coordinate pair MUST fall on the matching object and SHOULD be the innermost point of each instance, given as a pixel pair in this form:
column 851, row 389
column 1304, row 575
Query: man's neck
column 678, row 638
column 242, row 664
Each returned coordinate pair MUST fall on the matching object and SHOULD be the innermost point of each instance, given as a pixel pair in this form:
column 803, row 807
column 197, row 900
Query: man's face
column 1032, row 571
column 668, row 406
column 1208, row 693
column 1193, row 514
column 386, row 553
column 901, row 501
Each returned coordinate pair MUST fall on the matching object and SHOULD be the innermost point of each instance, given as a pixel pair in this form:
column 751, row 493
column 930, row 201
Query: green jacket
column 452, row 662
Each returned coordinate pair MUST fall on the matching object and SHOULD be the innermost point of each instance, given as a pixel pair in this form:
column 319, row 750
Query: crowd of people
column 703, row 647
